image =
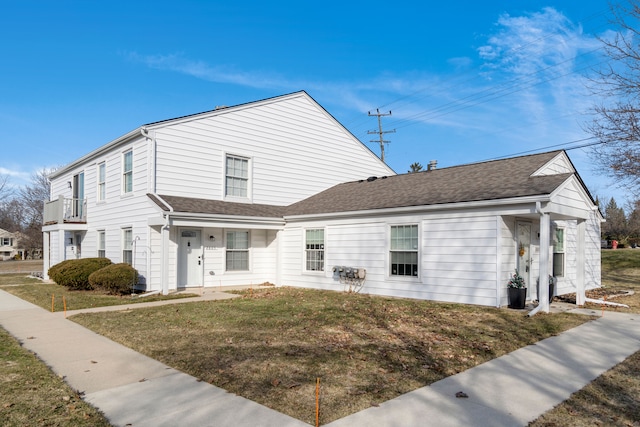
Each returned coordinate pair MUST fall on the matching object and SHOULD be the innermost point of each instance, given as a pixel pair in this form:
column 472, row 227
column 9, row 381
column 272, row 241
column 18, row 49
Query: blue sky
column 465, row 81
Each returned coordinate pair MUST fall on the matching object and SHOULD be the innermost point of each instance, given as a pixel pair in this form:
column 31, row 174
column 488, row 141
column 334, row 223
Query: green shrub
column 117, row 279
column 74, row 273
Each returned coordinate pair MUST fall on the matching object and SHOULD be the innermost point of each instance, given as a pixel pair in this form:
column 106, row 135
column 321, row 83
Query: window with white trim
column 237, row 251
column 127, row 172
column 314, row 249
column 102, row 253
column 403, row 254
column 127, row 245
column 102, row 184
column 558, row 252
column 236, row 176
column 6, row 241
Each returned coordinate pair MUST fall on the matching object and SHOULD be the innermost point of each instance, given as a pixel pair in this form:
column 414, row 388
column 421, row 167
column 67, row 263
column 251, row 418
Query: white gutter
column 543, row 291
column 421, row 208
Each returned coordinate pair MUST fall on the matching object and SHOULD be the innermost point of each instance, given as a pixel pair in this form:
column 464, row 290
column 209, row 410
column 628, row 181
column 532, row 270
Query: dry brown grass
column 270, row 346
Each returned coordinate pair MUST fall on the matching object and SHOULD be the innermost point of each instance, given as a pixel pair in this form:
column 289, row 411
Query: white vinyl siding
column 404, row 250
column 102, row 181
column 237, row 251
column 314, row 249
column 236, row 176
column 127, row 245
column 127, row 172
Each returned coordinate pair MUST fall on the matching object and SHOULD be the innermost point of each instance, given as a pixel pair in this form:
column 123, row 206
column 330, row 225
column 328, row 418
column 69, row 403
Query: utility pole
column 380, row 132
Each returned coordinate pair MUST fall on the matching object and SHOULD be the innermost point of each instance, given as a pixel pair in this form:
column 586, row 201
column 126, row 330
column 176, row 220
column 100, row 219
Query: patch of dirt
column 599, row 293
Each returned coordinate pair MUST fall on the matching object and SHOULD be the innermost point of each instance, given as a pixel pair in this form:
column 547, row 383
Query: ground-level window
column 237, row 250
column 558, row 252
column 127, row 245
column 102, row 253
column 237, row 176
column 404, row 250
column 314, row 249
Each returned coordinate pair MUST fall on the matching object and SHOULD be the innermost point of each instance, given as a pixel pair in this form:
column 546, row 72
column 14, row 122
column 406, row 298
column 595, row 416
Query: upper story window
column 404, row 250
column 558, row 252
column 236, row 176
column 6, row 241
column 102, row 183
column 314, row 249
column 127, row 172
column 237, row 250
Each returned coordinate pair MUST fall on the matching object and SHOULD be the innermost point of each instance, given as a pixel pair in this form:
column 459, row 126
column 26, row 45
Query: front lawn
column 270, row 346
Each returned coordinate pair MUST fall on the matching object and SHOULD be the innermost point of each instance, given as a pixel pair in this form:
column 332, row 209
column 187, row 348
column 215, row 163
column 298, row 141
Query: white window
column 237, row 176
column 127, row 245
column 558, row 252
column 127, row 172
column 6, row 241
column 102, row 253
column 102, row 185
column 404, row 250
column 237, row 250
column 314, row 249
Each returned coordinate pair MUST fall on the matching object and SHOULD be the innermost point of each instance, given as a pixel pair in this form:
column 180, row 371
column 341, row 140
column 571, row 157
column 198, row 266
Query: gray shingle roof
column 491, row 180
column 218, row 207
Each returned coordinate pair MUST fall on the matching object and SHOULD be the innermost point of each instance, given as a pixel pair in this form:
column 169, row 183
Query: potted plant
column 517, row 291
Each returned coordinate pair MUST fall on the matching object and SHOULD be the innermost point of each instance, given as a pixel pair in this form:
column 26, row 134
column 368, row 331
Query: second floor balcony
column 65, row 211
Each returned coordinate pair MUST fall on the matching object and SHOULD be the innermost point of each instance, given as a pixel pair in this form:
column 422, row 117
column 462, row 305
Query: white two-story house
column 245, row 161
column 278, row 191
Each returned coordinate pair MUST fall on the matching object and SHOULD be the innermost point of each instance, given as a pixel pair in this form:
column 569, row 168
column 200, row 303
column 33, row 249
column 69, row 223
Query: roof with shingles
column 491, row 180
column 218, row 207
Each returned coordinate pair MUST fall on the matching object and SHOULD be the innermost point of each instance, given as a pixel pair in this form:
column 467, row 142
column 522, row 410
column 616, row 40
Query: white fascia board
column 423, row 208
column 195, row 219
column 65, row 227
column 97, row 152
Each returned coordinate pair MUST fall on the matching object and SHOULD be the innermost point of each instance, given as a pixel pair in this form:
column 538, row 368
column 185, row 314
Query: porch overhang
column 185, row 219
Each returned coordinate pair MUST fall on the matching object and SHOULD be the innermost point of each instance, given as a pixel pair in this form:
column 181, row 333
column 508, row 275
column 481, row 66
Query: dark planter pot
column 517, row 297
column 552, row 288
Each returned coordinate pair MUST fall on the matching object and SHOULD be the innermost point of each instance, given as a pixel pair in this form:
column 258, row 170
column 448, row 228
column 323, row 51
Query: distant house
column 278, row 191
column 10, row 245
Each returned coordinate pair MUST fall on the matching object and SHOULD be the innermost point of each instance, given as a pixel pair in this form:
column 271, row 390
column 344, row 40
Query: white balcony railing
column 65, row 210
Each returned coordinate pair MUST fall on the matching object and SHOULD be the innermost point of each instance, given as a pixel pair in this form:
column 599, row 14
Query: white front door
column 523, row 254
column 190, row 260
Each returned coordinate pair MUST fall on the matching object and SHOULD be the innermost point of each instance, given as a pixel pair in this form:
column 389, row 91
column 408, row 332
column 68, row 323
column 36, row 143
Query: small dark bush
column 117, row 279
column 74, row 273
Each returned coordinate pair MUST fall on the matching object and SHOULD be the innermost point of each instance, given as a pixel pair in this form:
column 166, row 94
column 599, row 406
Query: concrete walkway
column 134, row 390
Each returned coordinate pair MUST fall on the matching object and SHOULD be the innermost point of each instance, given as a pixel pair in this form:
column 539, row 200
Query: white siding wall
column 457, row 258
column 295, row 150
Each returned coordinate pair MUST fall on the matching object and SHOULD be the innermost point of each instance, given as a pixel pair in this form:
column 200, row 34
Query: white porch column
column 62, row 250
column 543, row 288
column 164, row 271
column 45, row 255
column 580, row 261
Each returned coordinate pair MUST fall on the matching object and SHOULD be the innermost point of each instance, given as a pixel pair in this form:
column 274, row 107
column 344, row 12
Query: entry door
column 190, row 260
column 523, row 253
column 78, row 195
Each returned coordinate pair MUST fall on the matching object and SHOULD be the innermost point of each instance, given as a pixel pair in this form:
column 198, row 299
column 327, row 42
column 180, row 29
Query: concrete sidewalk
column 134, row 390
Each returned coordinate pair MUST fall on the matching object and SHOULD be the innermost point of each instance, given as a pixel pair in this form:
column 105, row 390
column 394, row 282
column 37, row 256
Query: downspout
column 543, row 271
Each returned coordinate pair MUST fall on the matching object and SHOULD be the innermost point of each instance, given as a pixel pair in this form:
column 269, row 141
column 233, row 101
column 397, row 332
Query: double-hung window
column 102, row 253
column 237, row 250
column 6, row 241
column 102, row 182
column 127, row 245
column 237, row 176
column 404, row 250
column 127, row 172
column 558, row 252
column 314, row 249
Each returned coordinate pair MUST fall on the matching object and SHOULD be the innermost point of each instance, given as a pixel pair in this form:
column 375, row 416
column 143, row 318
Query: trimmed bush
column 116, row 279
column 74, row 273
